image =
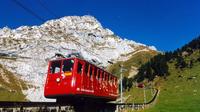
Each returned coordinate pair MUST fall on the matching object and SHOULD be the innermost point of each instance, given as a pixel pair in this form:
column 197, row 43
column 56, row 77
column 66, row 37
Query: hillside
column 180, row 93
column 11, row 87
column 32, row 47
column 132, row 64
column 179, row 90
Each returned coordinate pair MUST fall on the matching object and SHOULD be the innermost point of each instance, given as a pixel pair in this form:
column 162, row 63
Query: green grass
column 11, row 90
column 136, row 95
column 179, row 93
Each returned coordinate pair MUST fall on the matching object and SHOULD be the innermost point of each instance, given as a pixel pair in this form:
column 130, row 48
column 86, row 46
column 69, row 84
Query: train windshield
column 67, row 65
column 55, row 67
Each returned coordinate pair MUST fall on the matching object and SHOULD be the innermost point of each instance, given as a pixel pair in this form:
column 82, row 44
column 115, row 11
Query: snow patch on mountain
column 33, row 46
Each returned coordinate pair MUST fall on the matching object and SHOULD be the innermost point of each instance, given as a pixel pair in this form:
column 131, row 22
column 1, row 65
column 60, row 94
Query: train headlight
column 58, row 80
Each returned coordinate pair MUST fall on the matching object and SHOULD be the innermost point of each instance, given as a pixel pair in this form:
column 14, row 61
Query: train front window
column 55, row 67
column 67, row 65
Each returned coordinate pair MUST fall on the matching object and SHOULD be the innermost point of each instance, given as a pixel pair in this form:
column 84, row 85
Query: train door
column 115, row 86
column 91, row 74
column 109, row 84
column 79, row 75
column 106, row 83
column 96, row 79
column 67, row 80
column 102, row 83
column 53, row 77
column 99, row 82
column 85, row 77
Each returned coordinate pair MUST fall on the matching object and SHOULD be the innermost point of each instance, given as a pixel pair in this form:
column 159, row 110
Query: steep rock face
column 33, row 46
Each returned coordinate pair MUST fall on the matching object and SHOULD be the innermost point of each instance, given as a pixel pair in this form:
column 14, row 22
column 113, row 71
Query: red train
column 74, row 79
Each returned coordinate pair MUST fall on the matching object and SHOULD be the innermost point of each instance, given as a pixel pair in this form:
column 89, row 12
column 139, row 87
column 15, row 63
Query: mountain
column 25, row 51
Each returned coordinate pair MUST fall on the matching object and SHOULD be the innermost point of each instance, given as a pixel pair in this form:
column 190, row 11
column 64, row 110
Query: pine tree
column 180, row 63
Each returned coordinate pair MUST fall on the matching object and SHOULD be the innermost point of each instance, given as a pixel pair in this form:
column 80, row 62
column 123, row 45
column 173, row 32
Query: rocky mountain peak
column 32, row 47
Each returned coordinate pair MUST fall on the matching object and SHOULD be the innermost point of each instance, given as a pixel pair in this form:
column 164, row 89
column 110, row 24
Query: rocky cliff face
column 28, row 48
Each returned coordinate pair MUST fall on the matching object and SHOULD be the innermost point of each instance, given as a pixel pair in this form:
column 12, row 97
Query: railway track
column 61, row 107
column 8, row 106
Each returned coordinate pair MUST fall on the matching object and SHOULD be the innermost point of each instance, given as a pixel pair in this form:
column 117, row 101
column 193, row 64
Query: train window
column 55, row 67
column 79, row 70
column 68, row 65
column 86, row 68
column 102, row 76
column 99, row 74
column 111, row 80
column 95, row 72
column 105, row 77
column 91, row 71
column 115, row 81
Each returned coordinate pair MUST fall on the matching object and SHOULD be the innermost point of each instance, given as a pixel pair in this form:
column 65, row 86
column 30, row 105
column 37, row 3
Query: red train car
column 74, row 79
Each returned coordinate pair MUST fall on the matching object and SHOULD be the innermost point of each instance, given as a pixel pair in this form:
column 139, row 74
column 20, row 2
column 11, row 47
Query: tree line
column 158, row 65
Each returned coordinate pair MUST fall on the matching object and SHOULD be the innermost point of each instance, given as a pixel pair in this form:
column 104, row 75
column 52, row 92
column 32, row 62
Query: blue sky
column 166, row 24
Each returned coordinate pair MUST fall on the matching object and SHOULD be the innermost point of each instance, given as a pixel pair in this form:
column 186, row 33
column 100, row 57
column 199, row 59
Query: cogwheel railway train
column 71, row 79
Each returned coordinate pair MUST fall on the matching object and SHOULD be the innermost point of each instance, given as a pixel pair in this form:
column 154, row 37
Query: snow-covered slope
column 33, row 46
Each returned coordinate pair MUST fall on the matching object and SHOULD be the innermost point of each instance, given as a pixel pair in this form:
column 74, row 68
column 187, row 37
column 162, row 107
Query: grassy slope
column 136, row 60
column 11, row 90
column 180, row 92
column 136, row 95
